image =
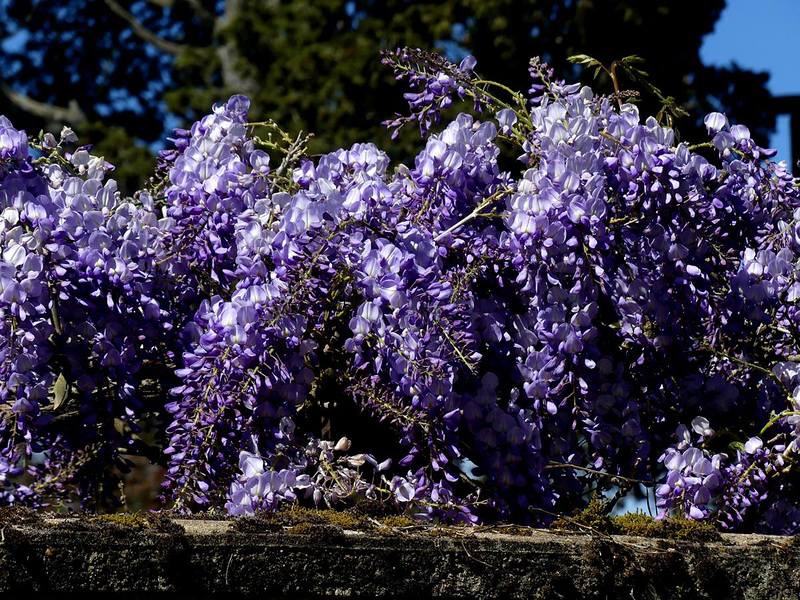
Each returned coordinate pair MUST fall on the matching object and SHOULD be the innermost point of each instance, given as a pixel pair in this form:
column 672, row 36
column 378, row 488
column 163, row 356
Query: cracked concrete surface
column 56, row 558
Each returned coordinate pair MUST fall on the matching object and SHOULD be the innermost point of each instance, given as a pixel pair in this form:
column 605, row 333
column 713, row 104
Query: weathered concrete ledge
column 212, row 559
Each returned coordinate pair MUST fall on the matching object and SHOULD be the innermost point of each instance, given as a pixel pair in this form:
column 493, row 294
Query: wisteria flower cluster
column 459, row 338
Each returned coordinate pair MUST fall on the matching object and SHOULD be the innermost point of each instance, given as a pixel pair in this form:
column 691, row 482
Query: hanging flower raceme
column 462, row 338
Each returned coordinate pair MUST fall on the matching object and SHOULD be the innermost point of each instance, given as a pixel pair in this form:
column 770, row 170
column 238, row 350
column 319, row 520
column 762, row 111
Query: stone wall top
column 219, row 559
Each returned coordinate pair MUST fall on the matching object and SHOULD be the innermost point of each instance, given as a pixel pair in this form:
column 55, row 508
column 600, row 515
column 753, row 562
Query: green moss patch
column 293, row 516
column 121, row 523
column 593, row 519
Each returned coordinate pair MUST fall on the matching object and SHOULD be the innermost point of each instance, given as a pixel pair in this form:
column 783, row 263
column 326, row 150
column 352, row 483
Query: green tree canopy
column 118, row 71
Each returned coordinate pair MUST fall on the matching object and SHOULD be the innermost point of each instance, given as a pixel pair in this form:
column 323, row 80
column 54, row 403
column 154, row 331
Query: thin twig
column 478, row 560
column 557, row 465
column 230, row 560
column 295, row 151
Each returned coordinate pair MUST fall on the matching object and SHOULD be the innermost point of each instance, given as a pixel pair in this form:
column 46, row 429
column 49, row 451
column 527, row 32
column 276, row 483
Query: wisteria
column 465, row 338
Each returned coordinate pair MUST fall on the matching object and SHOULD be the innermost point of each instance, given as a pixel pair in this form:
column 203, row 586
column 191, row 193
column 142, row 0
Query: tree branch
column 201, row 10
column 72, row 114
column 143, row 32
column 197, row 5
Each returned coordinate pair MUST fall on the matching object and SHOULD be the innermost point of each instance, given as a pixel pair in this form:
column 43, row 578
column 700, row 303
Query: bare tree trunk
column 228, row 53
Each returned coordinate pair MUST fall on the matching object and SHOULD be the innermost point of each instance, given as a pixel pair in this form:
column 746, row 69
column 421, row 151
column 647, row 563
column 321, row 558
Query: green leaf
column 584, row 59
column 121, row 427
column 60, row 391
column 736, row 446
column 577, row 58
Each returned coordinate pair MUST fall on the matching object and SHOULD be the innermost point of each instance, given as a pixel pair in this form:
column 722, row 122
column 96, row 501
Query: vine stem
column 607, row 135
column 748, row 364
column 776, row 418
column 518, row 98
column 558, row 465
column 612, row 72
column 474, row 214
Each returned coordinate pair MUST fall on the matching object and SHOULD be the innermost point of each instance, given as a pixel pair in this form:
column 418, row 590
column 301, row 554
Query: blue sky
column 761, row 35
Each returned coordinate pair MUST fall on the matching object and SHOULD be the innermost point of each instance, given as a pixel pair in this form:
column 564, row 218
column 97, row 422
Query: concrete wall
column 199, row 559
